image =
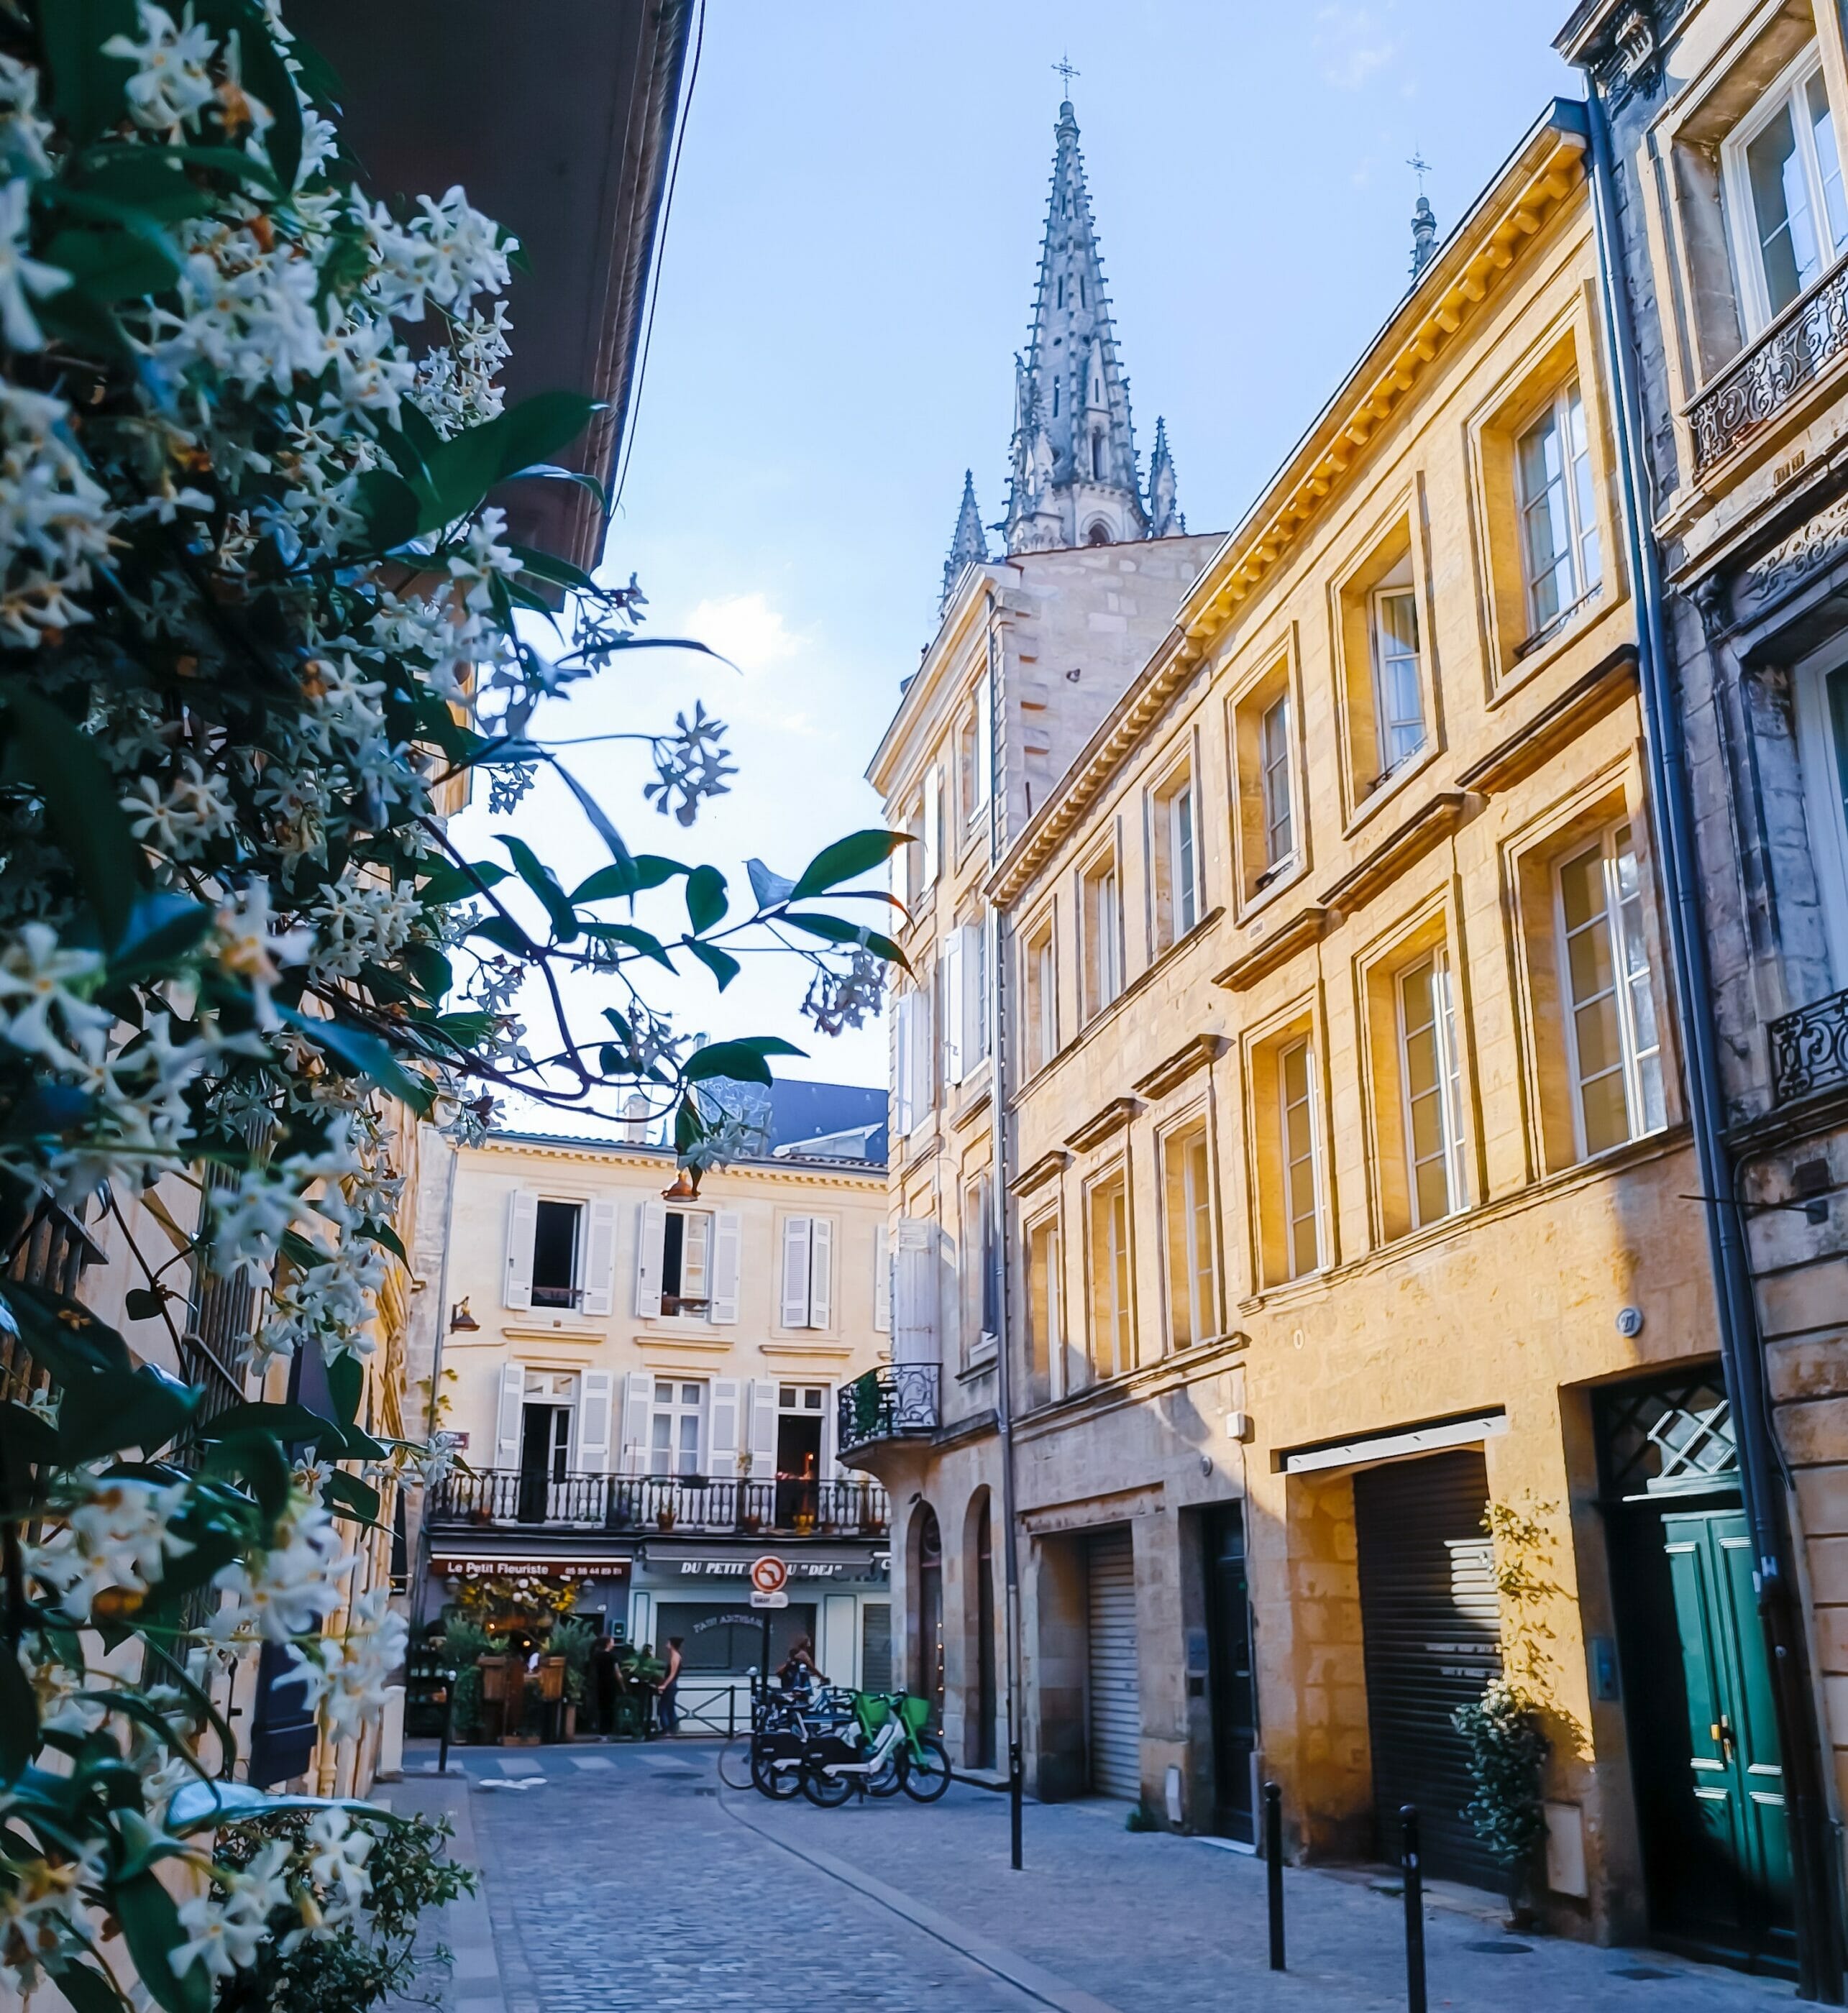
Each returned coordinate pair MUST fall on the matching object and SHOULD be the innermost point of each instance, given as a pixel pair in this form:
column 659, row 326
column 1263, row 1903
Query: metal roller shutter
column 1116, row 1692
column 1431, row 1620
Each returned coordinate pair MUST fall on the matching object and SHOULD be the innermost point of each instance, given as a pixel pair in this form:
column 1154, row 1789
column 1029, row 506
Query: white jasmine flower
column 170, row 84
column 223, row 1936
column 117, row 1540
column 21, row 275
column 289, row 1589
column 250, row 945
column 182, row 821
column 44, row 1014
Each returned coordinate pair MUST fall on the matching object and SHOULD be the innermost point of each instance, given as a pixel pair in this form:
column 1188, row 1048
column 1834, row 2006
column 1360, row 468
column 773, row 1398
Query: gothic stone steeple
column 970, row 547
column 1165, row 519
column 1075, row 479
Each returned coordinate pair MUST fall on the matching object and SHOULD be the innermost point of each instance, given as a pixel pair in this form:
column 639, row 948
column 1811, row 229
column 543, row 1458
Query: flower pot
column 750, row 1524
column 665, row 1518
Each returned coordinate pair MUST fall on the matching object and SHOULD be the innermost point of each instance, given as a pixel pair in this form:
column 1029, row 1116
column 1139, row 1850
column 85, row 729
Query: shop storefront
column 500, row 1586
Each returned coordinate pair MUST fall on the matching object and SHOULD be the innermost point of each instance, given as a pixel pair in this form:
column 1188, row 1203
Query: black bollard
column 1414, row 1911
column 1273, row 1868
column 1015, row 1789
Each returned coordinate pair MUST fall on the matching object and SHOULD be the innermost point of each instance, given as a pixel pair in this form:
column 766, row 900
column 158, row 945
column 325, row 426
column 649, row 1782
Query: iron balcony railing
column 893, row 1401
column 1811, row 334
column 641, row 1503
column 1809, row 1048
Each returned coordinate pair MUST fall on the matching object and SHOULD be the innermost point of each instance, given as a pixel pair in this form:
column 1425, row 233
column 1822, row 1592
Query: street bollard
column 1414, row 1911
column 1015, row 1789
column 1273, row 1869
column 448, row 1697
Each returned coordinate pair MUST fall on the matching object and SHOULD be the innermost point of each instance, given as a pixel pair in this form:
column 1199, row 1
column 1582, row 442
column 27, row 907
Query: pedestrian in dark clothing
column 667, row 1709
column 602, row 1684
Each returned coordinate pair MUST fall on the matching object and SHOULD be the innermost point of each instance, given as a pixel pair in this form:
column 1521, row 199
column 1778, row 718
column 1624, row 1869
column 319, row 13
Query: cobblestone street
column 624, row 1879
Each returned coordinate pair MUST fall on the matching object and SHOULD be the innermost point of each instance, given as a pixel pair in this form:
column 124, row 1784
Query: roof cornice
column 1451, row 294
column 808, row 1174
column 965, row 608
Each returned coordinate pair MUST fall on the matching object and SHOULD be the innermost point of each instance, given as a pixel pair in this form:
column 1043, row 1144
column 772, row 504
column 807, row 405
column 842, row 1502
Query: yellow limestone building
column 1323, row 1123
column 644, row 1385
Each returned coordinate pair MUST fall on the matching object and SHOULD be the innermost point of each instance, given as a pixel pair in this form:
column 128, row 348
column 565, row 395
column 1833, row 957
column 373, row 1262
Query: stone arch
column 980, row 1633
column 1096, row 533
column 924, row 1550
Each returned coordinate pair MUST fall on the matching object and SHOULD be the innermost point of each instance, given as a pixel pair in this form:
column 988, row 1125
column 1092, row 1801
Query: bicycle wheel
column 888, row 1778
column 779, row 1784
column 750, row 1775
column 927, row 1776
column 828, row 1791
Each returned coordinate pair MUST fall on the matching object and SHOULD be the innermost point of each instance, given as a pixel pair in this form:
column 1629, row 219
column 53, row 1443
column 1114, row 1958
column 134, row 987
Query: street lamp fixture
column 461, row 1321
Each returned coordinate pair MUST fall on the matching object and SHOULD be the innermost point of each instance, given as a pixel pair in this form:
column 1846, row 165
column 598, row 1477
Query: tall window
column 1613, row 1045
column 1558, row 511
column 1431, row 1086
column 1279, row 823
column 557, row 1234
column 686, row 1263
column 1176, row 869
column 1042, row 998
column 1399, row 699
column 1103, row 935
column 1043, row 1335
column 674, row 1437
column 1783, row 179
column 1112, row 1314
column 1302, row 1230
column 1193, row 1298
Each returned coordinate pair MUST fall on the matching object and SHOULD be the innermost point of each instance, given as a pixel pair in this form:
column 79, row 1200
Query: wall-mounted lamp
column 461, row 1321
column 686, row 1186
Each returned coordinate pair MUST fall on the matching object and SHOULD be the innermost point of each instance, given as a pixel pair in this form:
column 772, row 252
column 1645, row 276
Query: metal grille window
column 1558, row 518
column 1784, row 193
column 1431, row 1085
column 1302, row 1230
column 1670, row 1436
column 1613, row 1045
column 674, row 1436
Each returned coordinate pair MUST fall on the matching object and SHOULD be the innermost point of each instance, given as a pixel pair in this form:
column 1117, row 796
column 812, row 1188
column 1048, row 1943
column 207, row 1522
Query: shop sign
column 796, row 1569
column 532, row 1568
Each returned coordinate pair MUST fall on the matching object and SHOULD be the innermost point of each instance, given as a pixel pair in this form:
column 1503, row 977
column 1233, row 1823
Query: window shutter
column 933, row 791
column 830, row 1452
column 950, row 990
column 593, row 1423
column 761, row 1405
column 984, row 737
column 513, row 1398
column 923, row 1055
column 728, row 1241
column 794, row 1309
column 522, row 1222
column 974, row 995
column 905, row 1035
column 638, row 1392
column 914, row 1293
column 600, row 1258
column 652, row 1219
column 881, row 1281
column 821, row 1272
column 723, row 1463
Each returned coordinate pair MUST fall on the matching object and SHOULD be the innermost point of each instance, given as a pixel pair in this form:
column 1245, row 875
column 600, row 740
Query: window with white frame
column 558, row 1232
column 1821, row 690
column 1302, row 1181
column 1782, row 176
column 1279, row 815
column 1041, row 1025
column 1103, row 935
column 676, row 1426
column 1431, row 1085
column 1193, row 1290
column 1559, row 517
column 1112, row 1308
column 981, row 1322
column 1044, row 1337
column 1177, row 876
column 686, row 1263
column 1612, row 1046
column 807, row 1297
column 1398, row 692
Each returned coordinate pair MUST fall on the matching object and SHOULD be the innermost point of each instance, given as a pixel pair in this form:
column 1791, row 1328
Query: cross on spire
column 1067, row 70
column 1420, row 167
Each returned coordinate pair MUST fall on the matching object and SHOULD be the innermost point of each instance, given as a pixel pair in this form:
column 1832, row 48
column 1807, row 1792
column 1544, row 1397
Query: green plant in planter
column 1508, row 1751
column 573, row 1638
column 463, row 1641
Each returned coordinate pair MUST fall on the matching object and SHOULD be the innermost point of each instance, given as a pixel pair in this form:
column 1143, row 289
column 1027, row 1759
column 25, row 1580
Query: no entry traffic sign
column 768, row 1575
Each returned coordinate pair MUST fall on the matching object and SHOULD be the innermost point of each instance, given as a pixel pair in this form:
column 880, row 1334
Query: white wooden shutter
column 906, row 1034
column 793, row 1311
column 593, row 1423
column 723, row 1463
column 949, row 987
column 830, row 1454
column 975, row 1001
column 761, row 1408
column 652, row 1232
column 923, row 1055
column 915, row 1291
column 933, row 792
column 881, row 1282
column 984, row 737
column 522, row 1222
column 638, row 1392
column 821, row 1272
column 728, row 1243
column 513, row 1397
column 600, row 1258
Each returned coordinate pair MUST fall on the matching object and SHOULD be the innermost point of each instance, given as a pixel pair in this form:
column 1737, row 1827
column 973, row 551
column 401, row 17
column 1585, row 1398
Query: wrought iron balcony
column 644, row 1503
column 1808, row 337
column 893, row 1401
column 1809, row 1048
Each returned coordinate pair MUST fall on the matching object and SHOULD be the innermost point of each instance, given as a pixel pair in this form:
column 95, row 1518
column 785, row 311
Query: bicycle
column 783, row 1725
column 893, row 1752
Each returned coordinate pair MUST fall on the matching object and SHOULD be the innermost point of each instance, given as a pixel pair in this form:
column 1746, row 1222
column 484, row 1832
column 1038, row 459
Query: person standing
column 667, row 1705
column 602, row 1684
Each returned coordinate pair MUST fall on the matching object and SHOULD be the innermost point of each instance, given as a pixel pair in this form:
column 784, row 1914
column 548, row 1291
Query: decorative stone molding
column 1428, row 826
column 1264, row 957
column 1602, row 690
column 1046, row 1169
column 1200, row 1052
column 1115, row 1115
column 1814, row 546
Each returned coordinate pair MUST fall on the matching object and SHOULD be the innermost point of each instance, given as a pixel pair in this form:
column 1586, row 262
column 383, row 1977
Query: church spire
column 970, row 547
column 1074, row 479
column 1165, row 519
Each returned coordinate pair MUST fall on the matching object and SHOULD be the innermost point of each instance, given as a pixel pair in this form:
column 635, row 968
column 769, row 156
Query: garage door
column 1115, row 1696
column 1430, row 1616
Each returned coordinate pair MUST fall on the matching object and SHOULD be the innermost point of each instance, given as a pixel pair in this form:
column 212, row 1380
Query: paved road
column 627, row 1877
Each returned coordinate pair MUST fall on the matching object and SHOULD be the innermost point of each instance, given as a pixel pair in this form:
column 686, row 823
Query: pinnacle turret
column 1165, row 518
column 970, row 547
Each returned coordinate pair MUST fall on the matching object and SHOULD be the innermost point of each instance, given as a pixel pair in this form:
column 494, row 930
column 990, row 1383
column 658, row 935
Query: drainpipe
column 1817, row 1902
column 997, row 1121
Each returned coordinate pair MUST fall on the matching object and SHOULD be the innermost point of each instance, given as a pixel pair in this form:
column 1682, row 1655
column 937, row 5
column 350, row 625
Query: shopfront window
column 725, row 1637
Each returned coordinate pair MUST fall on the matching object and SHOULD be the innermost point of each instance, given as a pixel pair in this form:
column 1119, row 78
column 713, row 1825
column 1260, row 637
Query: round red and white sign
column 768, row 1575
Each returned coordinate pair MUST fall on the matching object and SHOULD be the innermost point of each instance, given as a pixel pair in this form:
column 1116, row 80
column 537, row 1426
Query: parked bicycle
column 884, row 1749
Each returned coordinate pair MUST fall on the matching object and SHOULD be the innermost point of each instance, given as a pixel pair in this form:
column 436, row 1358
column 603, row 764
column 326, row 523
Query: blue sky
column 846, row 275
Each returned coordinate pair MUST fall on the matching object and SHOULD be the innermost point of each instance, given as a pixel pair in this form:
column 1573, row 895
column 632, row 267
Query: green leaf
column 595, row 814
column 645, row 870
column 463, row 469
column 358, row 1497
column 834, row 930
column 46, row 752
column 383, row 1235
column 115, row 263
column 392, row 509
column 161, row 929
column 101, row 1415
column 346, row 1384
column 19, row 1719
column 847, row 860
column 742, row 1062
column 150, row 1922
column 706, row 901
column 86, row 86
column 457, row 884
column 505, row 934
column 363, row 1054
column 543, row 882
column 720, row 964
column 549, row 565
column 287, row 1423
column 144, row 1303
column 631, row 938
column 259, row 1458
column 88, row 1989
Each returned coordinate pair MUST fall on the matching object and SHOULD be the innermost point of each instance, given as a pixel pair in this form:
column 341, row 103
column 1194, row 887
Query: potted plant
column 1507, row 1750
column 665, row 1517
column 572, row 1638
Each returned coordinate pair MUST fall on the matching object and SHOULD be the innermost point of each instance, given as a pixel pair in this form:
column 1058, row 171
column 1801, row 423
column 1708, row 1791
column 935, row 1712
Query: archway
column 927, row 1611
column 1098, row 534
column 980, row 1704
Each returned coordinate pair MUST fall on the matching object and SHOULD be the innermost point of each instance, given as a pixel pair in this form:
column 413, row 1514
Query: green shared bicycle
column 884, row 1748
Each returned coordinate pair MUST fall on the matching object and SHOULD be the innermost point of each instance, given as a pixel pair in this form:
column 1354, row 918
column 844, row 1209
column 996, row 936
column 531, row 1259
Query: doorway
column 1231, row 1681
column 545, row 1457
column 801, row 1408
column 981, row 1739
column 1696, row 1676
column 927, row 1649
column 1115, row 1687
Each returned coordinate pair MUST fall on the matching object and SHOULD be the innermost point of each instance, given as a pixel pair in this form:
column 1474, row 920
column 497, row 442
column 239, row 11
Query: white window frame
column 1177, row 820
column 1580, row 533
column 574, row 1292
column 1824, row 760
column 1119, row 1260
column 1276, row 784
column 1448, row 1089
column 1294, row 1173
column 1103, row 932
column 1385, row 727
column 1633, row 1057
column 1048, row 1225
column 1042, row 1031
column 1791, row 91
column 1198, row 1289
column 676, row 1410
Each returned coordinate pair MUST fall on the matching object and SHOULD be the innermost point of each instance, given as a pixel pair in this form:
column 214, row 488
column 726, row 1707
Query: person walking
column 667, row 1706
column 602, row 1684
column 799, row 1672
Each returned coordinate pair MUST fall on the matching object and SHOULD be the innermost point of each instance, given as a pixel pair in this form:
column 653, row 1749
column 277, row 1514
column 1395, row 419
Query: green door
column 1739, row 1853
